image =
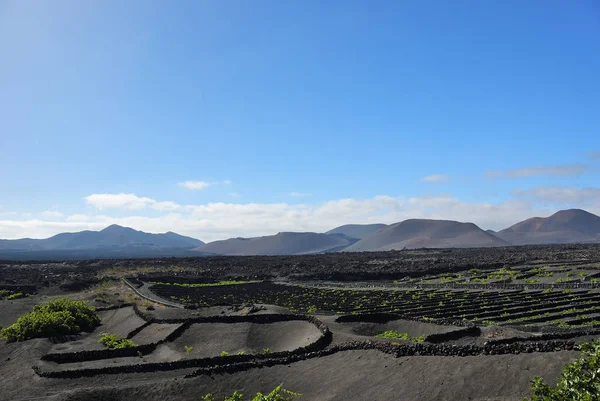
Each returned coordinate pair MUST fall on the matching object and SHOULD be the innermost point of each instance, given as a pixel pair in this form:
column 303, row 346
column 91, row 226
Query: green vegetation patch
column 278, row 394
column 55, row 318
column 401, row 336
column 113, row 341
column 579, row 380
column 8, row 294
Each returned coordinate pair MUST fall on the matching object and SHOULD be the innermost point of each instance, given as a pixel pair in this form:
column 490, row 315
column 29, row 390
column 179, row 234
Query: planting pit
column 209, row 339
column 413, row 328
column 154, row 333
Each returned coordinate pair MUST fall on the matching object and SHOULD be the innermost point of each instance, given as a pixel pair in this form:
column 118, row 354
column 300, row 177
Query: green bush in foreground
column 580, row 380
column 401, row 336
column 113, row 341
column 55, row 318
column 278, row 394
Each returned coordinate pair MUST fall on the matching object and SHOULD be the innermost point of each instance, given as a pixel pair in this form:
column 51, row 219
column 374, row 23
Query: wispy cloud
column 435, row 178
column 112, row 201
column 194, row 185
column 234, row 194
column 557, row 171
column 595, row 155
column 199, row 185
column 561, row 195
column 300, row 194
column 51, row 213
column 128, row 201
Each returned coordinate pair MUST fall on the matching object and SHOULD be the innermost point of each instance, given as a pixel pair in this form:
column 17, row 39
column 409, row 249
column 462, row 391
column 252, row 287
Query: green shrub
column 18, row 295
column 278, row 394
column 113, row 341
column 578, row 382
column 401, row 336
column 188, row 349
column 311, row 310
column 55, row 318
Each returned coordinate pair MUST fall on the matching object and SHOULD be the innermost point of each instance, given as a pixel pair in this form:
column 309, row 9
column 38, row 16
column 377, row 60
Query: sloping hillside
column 565, row 226
column 359, row 231
column 285, row 243
column 112, row 236
column 422, row 233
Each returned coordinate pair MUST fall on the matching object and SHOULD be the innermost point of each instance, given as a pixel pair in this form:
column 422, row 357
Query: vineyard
column 563, row 308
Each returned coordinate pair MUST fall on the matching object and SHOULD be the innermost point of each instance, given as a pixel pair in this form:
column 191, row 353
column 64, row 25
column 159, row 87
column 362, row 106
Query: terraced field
column 564, row 305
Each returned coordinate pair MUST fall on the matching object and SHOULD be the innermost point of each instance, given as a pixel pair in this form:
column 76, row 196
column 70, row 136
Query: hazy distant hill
column 358, row 231
column 565, row 226
column 422, row 233
column 285, row 243
column 112, row 236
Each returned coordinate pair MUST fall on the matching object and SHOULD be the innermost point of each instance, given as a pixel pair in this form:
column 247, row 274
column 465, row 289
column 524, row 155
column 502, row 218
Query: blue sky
column 109, row 108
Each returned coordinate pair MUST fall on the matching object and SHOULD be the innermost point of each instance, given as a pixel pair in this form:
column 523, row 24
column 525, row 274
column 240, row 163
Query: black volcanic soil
column 343, row 376
column 76, row 275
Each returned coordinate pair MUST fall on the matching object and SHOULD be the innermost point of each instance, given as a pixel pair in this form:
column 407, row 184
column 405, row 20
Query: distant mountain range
column 280, row 244
column 358, row 231
column 114, row 241
column 565, row 226
column 421, row 233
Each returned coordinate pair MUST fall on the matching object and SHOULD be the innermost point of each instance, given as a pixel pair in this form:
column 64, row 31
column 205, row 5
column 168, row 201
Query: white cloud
column 435, row 178
column 199, row 185
column 562, row 195
column 557, row 171
column 300, row 194
column 194, row 185
column 128, row 201
column 51, row 213
column 221, row 220
column 234, row 194
column 108, row 201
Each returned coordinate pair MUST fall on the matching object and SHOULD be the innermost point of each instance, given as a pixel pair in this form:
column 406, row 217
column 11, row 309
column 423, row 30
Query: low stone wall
column 138, row 329
column 472, row 331
column 113, row 307
column 503, row 286
column 387, row 317
column 395, row 350
column 69, row 357
column 556, row 335
column 93, row 355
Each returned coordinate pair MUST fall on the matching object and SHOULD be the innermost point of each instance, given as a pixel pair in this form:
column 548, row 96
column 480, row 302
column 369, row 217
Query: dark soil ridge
column 397, row 350
column 318, row 348
column 504, row 286
column 236, row 363
column 387, row 317
column 81, row 356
